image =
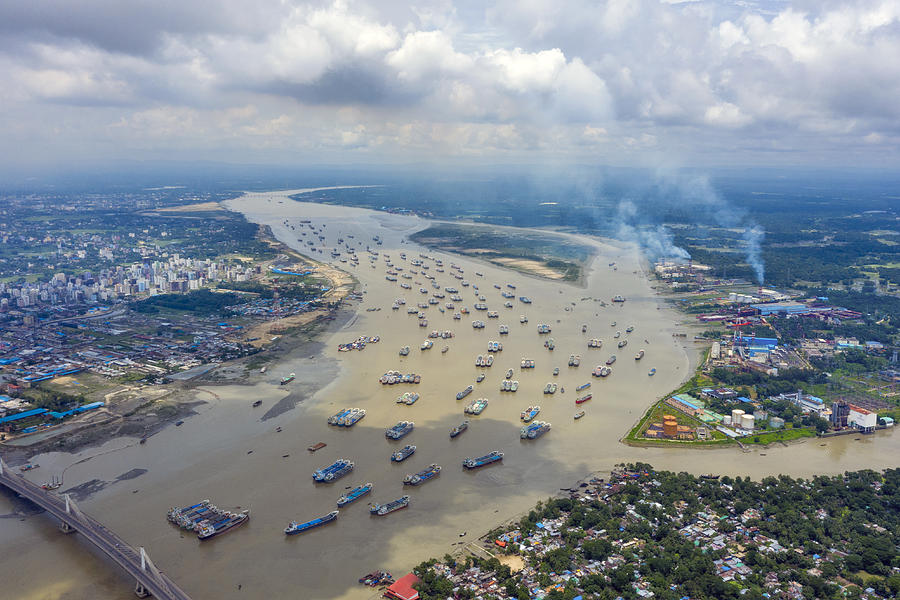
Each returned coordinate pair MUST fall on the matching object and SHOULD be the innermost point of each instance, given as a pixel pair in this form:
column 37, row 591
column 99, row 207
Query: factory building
column 862, row 419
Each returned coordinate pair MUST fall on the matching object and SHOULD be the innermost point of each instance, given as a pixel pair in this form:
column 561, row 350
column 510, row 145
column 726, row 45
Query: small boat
column 480, row 378
column 639, row 355
column 444, row 349
column 295, row 527
column 556, row 371
column 29, row 467
column 611, row 359
column 288, row 379
column 480, row 461
column 403, row 453
column 623, row 343
column 652, row 372
column 257, row 403
column 404, row 350
column 629, row 329
column 509, row 373
column 427, row 345
column 422, row 476
column 583, row 328
column 579, row 414
column 459, row 429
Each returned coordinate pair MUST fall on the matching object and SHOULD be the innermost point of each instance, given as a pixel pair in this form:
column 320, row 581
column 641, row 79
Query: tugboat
column 623, row 343
column 354, row 494
column 464, row 393
column 295, row 527
column 480, row 378
column 288, row 379
column 509, row 373
column 384, row 509
column 556, row 371
column 579, row 414
column 459, row 429
column 480, row 461
column 403, row 453
column 422, row 476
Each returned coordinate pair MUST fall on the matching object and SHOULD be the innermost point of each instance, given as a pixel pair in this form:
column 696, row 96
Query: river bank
column 228, row 452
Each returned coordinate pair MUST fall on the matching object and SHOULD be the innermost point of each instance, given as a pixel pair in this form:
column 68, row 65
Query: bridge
column 134, row 561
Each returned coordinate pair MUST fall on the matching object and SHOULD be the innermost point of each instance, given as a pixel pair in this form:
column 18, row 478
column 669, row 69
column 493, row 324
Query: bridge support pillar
column 140, row 591
column 66, row 528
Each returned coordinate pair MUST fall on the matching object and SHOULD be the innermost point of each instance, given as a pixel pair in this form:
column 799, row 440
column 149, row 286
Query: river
column 229, row 454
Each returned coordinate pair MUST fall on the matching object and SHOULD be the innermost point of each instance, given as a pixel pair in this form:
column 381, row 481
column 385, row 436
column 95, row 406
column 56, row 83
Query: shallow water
column 227, row 453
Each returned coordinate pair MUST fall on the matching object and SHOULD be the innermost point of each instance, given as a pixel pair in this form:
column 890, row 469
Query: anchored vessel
column 583, row 399
column 639, row 355
column 476, row 407
column 583, row 386
column 226, row 521
column 334, row 471
column 534, row 430
column 403, row 453
column 295, row 527
column 399, row 430
column 384, row 509
column 459, row 429
column 480, row 461
column 529, row 413
column 579, row 414
column 288, row 379
column 422, row 476
column 464, row 393
column 355, row 494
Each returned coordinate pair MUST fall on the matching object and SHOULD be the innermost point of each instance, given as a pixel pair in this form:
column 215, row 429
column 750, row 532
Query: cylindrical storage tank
column 748, row 421
column 736, row 415
column 726, row 420
column 670, row 426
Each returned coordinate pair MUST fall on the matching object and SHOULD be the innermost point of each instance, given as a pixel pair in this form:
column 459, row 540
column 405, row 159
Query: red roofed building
column 402, row 589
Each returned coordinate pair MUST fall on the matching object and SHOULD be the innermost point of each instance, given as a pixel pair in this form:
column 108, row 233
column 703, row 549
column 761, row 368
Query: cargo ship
column 294, row 527
column 459, row 429
column 384, row 509
column 534, row 430
column 583, row 399
column 226, row 521
column 639, row 355
column 464, row 393
column 334, row 471
column 583, row 386
column 422, row 476
column 476, row 407
column 408, row 398
column 288, row 379
column 529, row 413
column 352, row 418
column 354, row 494
column 611, row 359
column 399, row 430
column 480, row 461
column 403, row 453
column 579, row 414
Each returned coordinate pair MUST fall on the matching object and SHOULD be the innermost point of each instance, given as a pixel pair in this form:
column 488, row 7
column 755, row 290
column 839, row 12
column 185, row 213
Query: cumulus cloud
column 605, row 80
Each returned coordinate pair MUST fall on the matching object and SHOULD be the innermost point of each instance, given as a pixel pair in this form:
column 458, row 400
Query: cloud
column 701, row 81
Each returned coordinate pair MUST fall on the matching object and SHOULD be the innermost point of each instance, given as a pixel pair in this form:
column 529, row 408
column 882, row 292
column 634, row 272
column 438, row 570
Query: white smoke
column 655, row 240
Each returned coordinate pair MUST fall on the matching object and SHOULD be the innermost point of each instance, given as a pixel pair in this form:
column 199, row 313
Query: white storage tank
column 736, row 415
column 748, row 422
column 726, row 420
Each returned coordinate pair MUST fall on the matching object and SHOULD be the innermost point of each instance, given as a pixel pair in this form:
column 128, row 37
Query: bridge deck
column 135, row 563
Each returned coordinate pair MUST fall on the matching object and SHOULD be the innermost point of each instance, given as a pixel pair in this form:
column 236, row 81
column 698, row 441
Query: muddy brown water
column 229, row 454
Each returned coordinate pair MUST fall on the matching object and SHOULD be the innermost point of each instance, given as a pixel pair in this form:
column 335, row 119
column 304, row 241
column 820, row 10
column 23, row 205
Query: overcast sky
column 614, row 82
